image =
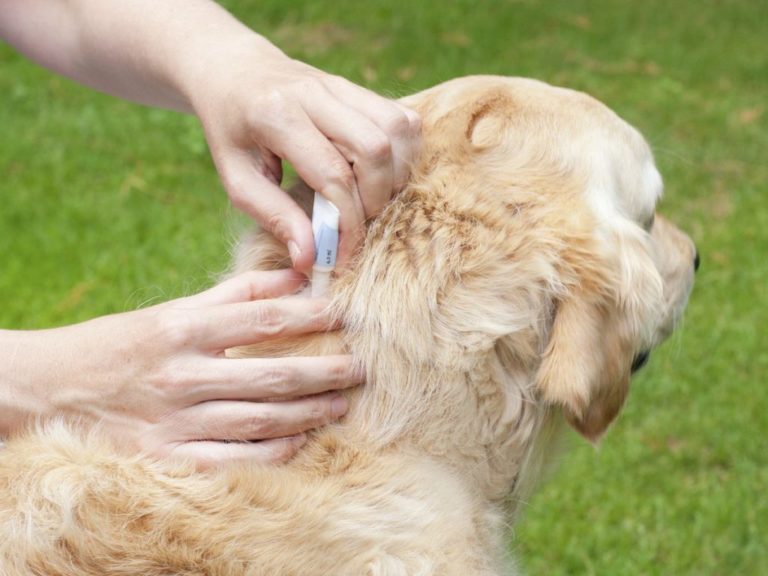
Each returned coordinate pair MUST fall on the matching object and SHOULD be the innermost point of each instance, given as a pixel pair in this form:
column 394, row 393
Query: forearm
column 83, row 370
column 149, row 51
column 60, row 371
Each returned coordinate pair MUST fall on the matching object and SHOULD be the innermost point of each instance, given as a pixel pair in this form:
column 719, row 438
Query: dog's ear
column 599, row 324
column 586, row 364
column 488, row 120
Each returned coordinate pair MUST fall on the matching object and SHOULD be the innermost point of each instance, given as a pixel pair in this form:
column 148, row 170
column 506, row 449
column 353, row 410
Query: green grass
column 106, row 206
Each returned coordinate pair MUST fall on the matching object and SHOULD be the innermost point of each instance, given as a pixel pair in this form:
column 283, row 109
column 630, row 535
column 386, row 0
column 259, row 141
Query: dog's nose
column 696, row 261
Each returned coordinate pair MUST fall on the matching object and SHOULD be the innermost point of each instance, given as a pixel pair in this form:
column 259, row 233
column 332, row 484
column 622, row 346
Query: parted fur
column 511, row 282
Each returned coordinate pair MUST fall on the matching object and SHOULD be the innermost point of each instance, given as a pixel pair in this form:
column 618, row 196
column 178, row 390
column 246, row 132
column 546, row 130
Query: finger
column 254, row 193
column 272, row 163
column 407, row 150
column 248, row 286
column 273, row 378
column 401, row 124
column 228, row 420
column 363, row 144
column 293, row 135
column 208, row 454
column 238, row 324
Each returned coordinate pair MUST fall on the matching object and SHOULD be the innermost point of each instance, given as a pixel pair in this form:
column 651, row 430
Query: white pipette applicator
column 325, row 228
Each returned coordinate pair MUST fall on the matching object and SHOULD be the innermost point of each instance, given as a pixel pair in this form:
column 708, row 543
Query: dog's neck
column 450, row 371
column 448, row 329
column 482, row 421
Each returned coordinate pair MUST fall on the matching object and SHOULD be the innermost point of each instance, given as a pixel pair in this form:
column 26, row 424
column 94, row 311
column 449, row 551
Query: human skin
column 257, row 105
column 156, row 379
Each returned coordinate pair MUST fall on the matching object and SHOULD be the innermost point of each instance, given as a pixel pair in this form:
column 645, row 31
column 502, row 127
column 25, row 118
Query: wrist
column 212, row 65
column 58, row 372
column 23, row 394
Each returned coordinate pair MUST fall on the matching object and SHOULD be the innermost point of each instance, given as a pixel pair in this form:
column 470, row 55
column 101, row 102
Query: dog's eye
column 648, row 224
column 640, row 360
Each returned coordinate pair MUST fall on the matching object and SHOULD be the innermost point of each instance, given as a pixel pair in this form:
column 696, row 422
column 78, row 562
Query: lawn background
column 106, row 206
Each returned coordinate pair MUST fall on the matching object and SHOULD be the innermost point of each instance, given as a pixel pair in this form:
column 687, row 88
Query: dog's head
column 573, row 190
column 523, row 263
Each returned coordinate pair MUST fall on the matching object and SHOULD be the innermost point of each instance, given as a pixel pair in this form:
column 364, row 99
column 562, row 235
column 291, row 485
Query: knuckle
column 168, row 381
column 339, row 372
column 280, row 381
column 277, row 225
column 309, row 84
column 339, row 175
column 262, row 425
column 397, row 124
column 171, row 385
column 268, row 319
column 236, row 187
column 271, row 117
column 175, row 328
column 319, row 413
column 239, row 202
column 274, row 101
column 276, row 107
column 377, row 149
column 282, row 452
column 210, row 460
column 414, row 123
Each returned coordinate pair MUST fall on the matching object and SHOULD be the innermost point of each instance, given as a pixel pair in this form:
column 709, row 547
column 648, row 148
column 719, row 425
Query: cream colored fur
column 511, row 282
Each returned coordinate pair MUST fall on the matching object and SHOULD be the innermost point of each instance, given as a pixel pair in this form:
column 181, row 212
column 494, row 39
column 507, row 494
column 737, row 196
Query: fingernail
column 339, row 406
column 294, row 251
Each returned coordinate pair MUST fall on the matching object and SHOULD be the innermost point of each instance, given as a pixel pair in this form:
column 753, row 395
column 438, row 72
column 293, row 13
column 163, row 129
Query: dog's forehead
column 623, row 182
column 569, row 127
column 615, row 161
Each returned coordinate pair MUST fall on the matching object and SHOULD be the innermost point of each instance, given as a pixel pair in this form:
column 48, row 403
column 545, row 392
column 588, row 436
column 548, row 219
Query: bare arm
column 141, row 50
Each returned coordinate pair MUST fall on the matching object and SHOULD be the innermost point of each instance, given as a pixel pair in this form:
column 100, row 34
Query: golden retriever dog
column 508, row 289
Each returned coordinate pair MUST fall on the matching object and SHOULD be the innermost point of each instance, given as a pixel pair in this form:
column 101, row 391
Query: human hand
column 158, row 382
column 259, row 107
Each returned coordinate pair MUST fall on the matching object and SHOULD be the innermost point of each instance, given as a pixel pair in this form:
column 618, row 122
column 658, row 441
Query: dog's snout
column 696, row 261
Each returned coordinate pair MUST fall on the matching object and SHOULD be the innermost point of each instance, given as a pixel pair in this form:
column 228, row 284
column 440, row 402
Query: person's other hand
column 347, row 143
column 158, row 382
